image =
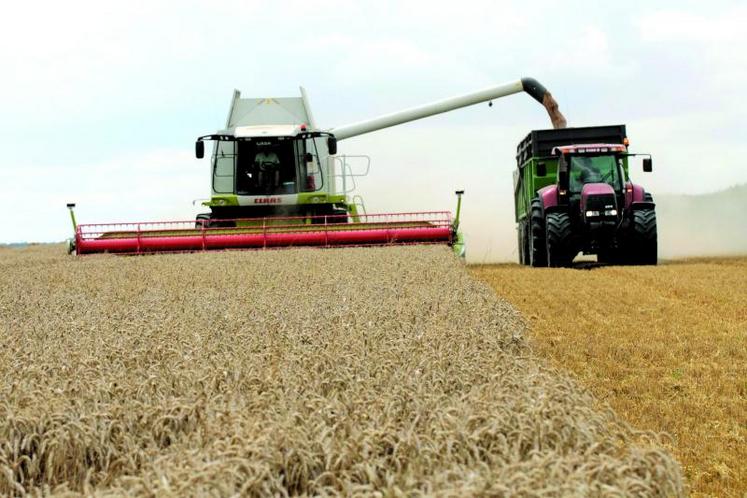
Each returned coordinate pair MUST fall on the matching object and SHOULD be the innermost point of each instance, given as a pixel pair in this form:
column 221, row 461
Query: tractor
column 573, row 194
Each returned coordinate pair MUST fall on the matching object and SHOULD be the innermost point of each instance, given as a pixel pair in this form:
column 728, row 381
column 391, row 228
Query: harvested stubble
column 359, row 371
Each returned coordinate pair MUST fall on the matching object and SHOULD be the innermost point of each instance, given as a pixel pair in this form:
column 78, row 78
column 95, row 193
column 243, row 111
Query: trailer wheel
column 537, row 250
column 522, row 243
column 558, row 237
column 643, row 235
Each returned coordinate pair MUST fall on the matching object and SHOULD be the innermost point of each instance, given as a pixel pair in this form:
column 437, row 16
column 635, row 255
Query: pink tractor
column 579, row 198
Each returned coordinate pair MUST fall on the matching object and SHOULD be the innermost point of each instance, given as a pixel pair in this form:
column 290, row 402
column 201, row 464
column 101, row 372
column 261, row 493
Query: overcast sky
column 101, row 101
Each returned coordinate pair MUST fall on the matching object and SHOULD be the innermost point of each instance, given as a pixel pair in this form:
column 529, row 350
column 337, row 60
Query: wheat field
column 665, row 346
column 360, row 372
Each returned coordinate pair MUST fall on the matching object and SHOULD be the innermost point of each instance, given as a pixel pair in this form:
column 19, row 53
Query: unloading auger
column 278, row 181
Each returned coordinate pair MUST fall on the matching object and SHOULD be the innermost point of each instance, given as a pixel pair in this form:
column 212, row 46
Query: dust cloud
column 689, row 226
column 702, row 225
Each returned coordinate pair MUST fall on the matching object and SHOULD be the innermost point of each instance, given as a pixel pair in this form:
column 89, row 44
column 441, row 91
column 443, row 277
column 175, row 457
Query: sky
column 101, row 101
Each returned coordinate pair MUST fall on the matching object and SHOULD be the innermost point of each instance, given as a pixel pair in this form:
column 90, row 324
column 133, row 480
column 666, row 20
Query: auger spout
column 528, row 85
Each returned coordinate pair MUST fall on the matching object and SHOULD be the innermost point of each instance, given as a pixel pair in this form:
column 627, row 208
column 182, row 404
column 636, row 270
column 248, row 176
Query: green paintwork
column 459, row 245
column 222, row 200
column 529, row 182
column 72, row 218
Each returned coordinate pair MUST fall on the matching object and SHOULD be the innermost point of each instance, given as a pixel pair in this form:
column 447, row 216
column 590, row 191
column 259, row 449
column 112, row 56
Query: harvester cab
column 277, row 181
column 272, row 162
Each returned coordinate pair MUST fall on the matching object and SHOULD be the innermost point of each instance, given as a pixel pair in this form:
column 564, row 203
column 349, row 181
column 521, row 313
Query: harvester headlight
column 591, row 214
column 610, row 212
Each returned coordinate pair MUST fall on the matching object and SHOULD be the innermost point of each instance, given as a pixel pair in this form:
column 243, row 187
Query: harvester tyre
column 536, row 236
column 202, row 220
column 643, row 238
column 558, row 236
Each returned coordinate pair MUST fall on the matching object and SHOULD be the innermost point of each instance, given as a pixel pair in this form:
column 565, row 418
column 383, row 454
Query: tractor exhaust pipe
column 528, row 85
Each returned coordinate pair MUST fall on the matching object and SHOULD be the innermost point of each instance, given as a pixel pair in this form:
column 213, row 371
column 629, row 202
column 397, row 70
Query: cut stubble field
column 357, row 372
column 665, row 346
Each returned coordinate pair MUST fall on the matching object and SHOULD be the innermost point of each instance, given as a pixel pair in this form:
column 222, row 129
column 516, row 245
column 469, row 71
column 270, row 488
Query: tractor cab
column 593, row 178
column 592, row 163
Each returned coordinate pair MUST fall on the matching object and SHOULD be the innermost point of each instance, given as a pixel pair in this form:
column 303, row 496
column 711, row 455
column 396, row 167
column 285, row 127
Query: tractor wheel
column 648, row 197
column 536, row 236
column 643, row 244
column 558, row 237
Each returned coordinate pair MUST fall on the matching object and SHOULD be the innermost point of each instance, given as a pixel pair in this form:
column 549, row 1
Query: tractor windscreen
column 594, row 169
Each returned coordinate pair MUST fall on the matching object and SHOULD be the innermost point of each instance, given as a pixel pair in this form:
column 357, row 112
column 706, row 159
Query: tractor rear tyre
column 643, row 234
column 537, row 249
column 558, row 238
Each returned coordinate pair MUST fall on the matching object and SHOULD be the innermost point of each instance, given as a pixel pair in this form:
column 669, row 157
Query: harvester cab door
column 224, row 159
column 311, row 178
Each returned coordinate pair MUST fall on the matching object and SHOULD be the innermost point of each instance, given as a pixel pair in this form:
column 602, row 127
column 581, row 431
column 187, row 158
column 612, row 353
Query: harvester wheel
column 202, row 220
column 339, row 216
column 536, row 236
column 558, row 236
column 643, row 244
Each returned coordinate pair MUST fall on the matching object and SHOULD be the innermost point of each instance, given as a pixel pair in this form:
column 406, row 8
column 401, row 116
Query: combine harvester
column 277, row 181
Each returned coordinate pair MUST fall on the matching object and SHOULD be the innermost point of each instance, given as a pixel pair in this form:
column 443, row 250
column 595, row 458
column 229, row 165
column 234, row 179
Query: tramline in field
column 278, row 181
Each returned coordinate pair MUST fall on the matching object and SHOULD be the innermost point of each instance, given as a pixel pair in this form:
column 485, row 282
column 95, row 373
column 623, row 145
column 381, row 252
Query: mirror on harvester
column 647, row 165
column 332, row 145
column 199, row 149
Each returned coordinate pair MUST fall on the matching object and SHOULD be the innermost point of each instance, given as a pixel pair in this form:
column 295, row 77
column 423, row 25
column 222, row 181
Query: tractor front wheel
column 558, row 236
column 643, row 235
